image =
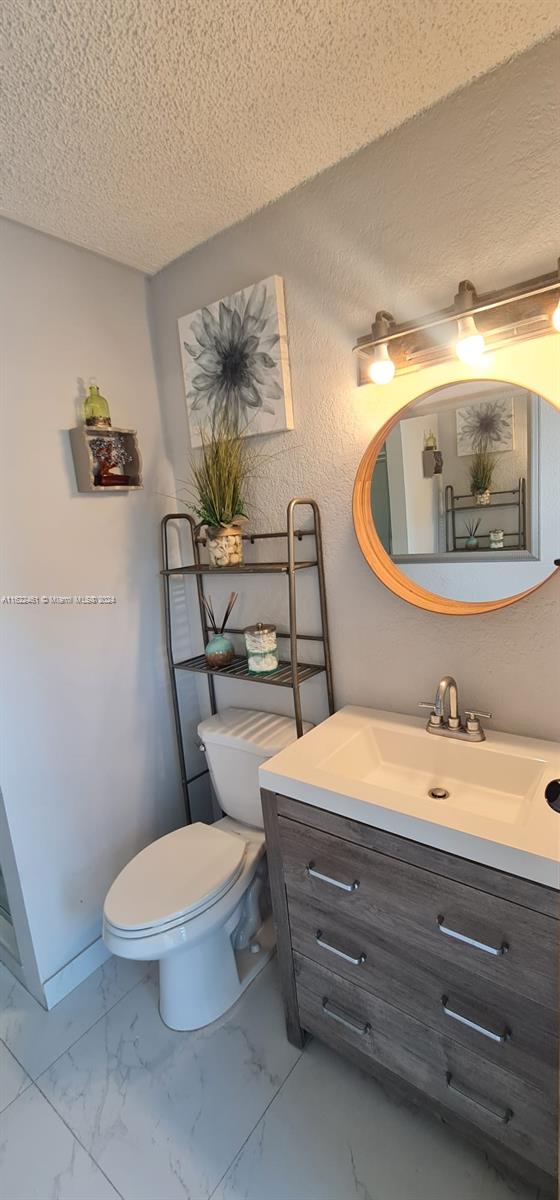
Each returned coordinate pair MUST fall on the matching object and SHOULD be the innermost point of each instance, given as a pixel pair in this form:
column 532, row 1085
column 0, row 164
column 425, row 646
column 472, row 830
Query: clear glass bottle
column 96, row 409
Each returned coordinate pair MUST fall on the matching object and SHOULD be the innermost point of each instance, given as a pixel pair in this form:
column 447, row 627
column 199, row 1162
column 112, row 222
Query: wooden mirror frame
column 372, row 548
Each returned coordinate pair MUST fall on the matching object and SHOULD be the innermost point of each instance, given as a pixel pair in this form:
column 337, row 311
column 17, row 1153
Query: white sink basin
column 406, row 761
column 379, row 768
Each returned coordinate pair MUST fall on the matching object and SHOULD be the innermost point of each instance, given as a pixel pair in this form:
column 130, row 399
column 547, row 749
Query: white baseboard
column 74, row 972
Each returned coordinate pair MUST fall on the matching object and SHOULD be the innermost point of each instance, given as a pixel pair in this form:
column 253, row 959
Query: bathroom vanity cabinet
column 437, row 974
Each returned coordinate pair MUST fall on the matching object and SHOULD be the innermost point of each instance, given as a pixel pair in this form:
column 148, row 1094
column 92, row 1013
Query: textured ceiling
column 139, row 128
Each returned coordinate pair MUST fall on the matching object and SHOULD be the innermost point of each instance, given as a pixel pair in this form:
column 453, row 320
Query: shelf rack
column 453, row 506
column 291, row 671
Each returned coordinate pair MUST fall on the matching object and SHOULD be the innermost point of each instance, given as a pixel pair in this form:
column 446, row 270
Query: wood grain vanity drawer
column 486, row 879
column 504, row 943
column 505, row 1107
column 513, row 1032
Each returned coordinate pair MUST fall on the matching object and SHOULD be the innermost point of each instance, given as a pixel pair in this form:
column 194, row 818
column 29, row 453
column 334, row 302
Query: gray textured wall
column 466, row 189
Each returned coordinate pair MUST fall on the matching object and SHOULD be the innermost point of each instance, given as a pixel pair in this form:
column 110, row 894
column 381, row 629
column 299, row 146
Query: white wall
column 88, row 772
column 396, row 487
column 420, row 493
column 464, row 190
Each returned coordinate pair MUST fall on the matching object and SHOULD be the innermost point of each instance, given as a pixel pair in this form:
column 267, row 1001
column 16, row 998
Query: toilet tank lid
column 261, row 733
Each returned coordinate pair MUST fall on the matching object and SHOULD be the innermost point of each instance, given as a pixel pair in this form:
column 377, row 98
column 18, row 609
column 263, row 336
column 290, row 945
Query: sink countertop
column 376, row 767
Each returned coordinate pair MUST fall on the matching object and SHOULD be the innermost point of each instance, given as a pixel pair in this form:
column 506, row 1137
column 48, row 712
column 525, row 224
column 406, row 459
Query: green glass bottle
column 96, row 409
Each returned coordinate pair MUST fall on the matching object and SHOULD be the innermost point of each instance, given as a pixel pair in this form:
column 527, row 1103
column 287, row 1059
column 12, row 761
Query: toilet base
column 200, row 983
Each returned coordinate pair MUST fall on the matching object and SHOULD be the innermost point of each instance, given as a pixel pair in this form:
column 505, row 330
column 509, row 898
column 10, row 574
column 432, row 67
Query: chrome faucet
column 453, row 727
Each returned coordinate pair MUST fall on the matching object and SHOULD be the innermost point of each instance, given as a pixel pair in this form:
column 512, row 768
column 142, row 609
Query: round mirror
column 457, row 498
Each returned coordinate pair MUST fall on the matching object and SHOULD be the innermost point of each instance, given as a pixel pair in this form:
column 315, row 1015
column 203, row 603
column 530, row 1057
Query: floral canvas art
column 235, row 362
column 487, row 425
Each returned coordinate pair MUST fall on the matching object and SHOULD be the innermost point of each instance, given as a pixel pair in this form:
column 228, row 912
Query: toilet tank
column 237, row 741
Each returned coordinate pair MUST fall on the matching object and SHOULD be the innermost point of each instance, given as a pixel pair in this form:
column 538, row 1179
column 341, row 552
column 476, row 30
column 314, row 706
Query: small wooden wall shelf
column 88, row 478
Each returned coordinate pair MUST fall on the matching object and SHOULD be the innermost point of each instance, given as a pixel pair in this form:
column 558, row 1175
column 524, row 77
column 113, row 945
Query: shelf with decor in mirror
column 515, row 539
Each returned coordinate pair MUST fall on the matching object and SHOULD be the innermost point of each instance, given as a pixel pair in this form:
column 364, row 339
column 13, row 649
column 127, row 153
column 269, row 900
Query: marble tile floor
column 99, row 1100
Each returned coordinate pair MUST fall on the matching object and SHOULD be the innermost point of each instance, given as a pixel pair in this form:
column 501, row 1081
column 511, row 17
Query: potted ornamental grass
column 220, row 472
column 481, row 474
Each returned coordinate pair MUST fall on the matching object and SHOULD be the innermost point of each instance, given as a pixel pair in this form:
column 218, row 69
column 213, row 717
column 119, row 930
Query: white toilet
column 197, row 899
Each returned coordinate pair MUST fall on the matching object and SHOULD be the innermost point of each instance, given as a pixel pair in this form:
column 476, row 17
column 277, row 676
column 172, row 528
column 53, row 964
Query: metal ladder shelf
column 291, row 672
column 453, row 507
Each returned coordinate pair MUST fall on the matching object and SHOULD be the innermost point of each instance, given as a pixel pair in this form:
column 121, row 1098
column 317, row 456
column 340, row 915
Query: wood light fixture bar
column 521, row 311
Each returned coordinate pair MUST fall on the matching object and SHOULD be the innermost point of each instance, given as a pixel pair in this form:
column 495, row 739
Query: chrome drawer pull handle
column 501, row 1114
column 344, row 887
column 455, row 1016
column 343, row 1019
column 356, row 962
column 462, row 937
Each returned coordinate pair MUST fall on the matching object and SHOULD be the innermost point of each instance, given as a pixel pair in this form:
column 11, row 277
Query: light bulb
column 382, row 368
column 469, row 346
column 556, row 317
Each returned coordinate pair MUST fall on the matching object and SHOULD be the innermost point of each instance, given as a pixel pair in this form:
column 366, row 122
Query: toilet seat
column 174, row 880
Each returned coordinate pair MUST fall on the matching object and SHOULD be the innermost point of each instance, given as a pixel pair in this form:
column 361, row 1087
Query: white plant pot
column 483, row 497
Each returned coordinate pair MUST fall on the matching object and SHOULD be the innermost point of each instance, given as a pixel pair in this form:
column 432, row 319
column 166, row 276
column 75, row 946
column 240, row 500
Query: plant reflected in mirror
column 485, row 525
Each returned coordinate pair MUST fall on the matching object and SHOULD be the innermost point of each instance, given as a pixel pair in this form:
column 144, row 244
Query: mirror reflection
column 466, row 490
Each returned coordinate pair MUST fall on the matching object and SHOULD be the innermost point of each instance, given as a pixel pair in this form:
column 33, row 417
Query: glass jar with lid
column 262, row 649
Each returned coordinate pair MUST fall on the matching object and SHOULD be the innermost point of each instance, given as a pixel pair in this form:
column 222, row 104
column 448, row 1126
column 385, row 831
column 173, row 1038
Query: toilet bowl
column 197, row 899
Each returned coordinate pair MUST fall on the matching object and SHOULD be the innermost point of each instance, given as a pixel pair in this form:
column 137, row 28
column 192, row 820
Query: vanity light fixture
column 470, row 326
column 469, row 346
column 470, row 343
column 382, row 367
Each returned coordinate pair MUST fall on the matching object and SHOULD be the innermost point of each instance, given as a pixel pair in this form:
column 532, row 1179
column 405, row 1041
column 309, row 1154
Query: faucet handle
column 435, row 718
column 472, row 723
